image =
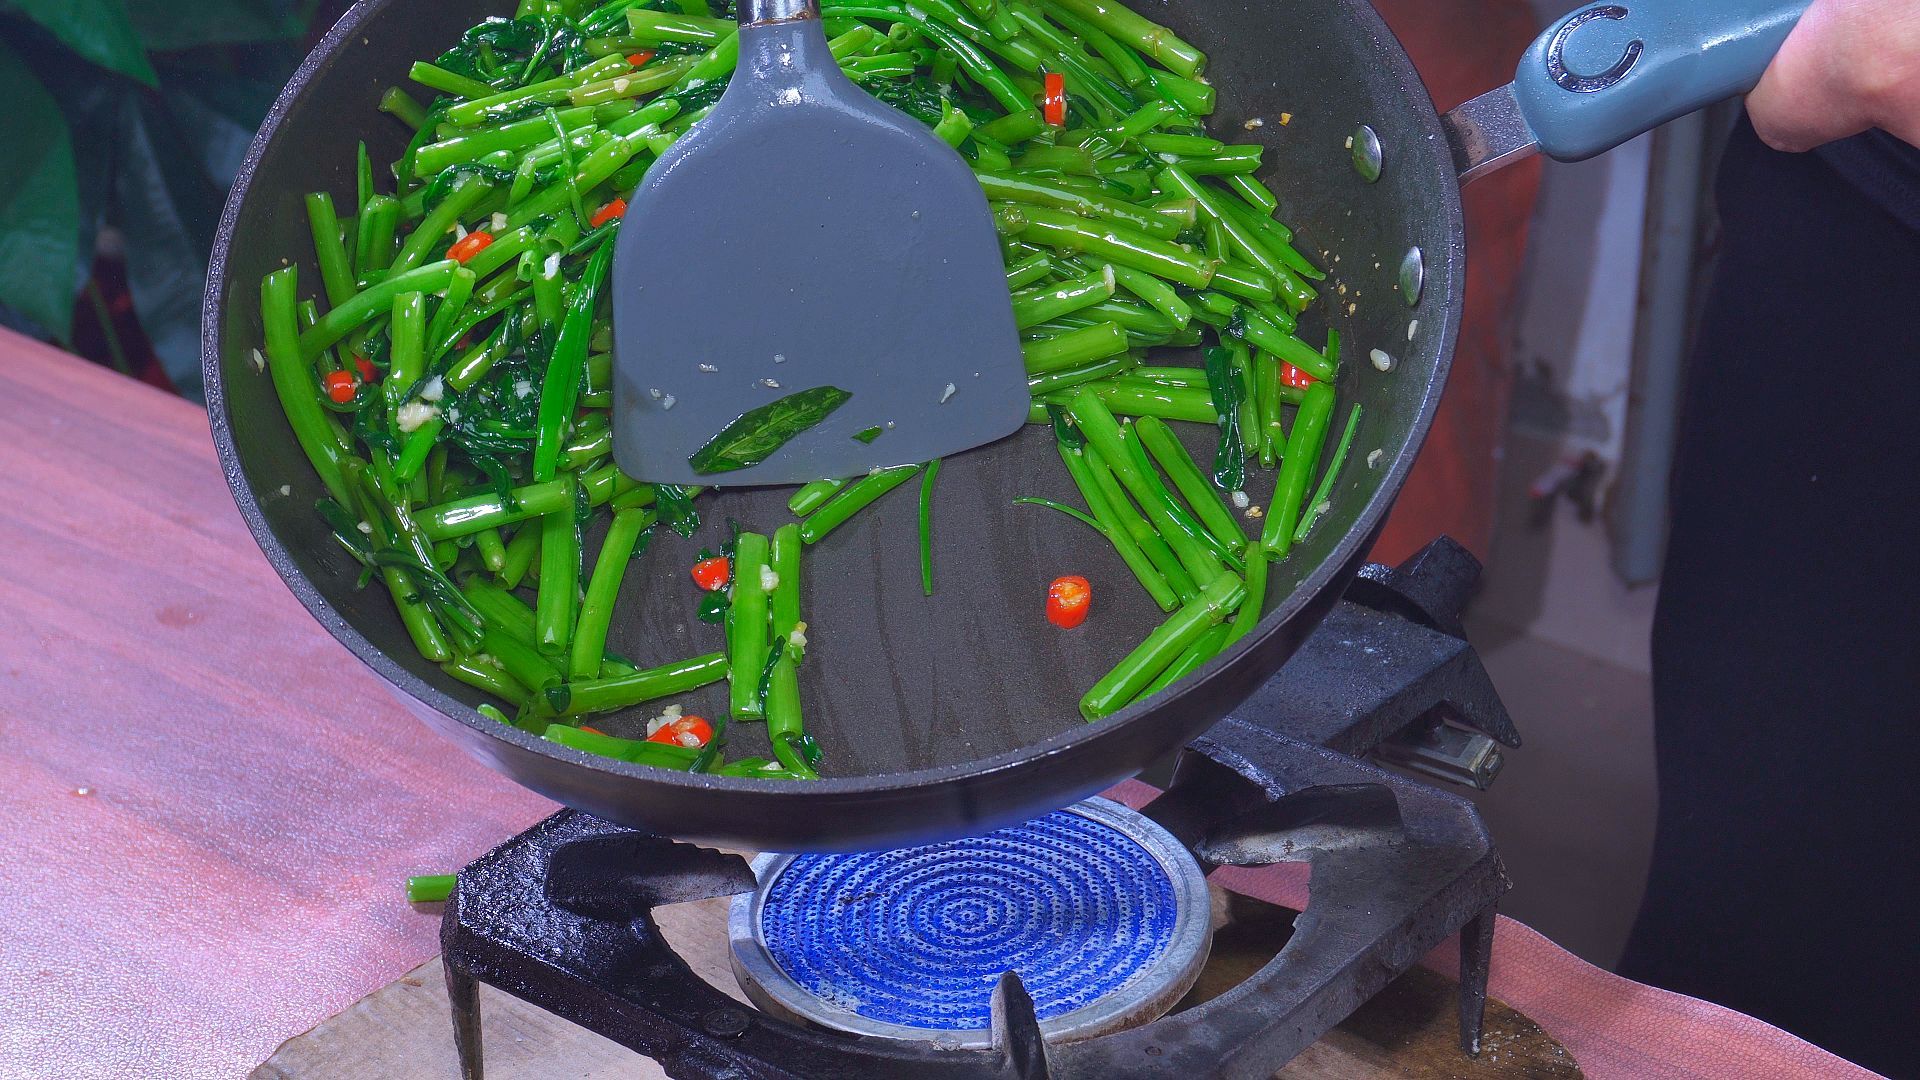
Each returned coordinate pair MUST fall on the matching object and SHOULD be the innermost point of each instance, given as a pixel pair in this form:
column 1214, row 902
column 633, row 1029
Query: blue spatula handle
column 1610, row 71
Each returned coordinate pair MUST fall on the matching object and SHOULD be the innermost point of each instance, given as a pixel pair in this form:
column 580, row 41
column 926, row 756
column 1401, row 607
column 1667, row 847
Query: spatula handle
column 762, row 12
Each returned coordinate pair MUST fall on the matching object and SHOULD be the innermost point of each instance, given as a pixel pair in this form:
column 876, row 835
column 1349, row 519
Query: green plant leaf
column 168, row 25
column 98, row 30
column 39, row 203
column 167, row 207
column 754, row 435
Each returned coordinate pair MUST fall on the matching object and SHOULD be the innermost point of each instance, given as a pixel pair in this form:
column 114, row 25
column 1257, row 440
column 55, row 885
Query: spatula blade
column 804, row 235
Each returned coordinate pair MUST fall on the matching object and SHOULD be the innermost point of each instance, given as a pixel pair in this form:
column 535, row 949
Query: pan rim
column 1346, row 553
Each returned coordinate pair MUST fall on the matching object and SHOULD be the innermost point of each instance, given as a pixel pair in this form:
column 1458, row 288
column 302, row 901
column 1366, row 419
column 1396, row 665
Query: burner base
column 562, row 917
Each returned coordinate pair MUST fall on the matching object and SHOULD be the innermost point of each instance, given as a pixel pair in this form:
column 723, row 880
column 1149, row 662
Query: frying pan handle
column 1610, row 71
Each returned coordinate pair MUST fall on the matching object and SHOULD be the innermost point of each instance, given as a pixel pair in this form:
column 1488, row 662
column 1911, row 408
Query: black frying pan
column 953, row 714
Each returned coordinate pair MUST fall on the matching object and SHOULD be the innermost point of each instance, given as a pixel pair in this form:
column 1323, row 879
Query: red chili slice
column 615, row 209
column 688, row 731
column 339, row 386
column 1295, row 377
column 1069, row 599
column 1053, row 101
column 712, row 574
column 469, row 245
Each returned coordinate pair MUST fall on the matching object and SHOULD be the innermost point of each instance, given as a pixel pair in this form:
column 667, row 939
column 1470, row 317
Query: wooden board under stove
column 403, row 1030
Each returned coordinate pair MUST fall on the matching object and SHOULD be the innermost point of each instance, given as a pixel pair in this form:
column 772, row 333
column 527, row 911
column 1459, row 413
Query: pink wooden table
column 207, row 807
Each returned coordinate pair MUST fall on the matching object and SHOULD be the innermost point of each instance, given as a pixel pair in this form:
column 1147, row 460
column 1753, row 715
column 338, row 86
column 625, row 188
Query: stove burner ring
column 1103, row 915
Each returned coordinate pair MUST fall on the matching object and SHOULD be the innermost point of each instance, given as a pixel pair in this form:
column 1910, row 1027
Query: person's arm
column 1848, row 66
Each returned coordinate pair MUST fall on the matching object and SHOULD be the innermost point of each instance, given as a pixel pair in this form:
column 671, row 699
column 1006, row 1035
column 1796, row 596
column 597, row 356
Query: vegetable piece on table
column 430, row 888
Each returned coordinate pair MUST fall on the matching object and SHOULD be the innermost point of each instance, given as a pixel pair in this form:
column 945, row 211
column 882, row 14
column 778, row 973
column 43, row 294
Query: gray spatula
column 804, row 235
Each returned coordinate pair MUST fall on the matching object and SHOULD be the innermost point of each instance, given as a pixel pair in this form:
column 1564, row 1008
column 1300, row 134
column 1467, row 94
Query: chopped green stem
column 462, row 517
column 1037, row 191
column 559, row 595
column 927, row 476
column 852, row 499
column 1046, row 302
column 1115, row 243
column 1268, row 394
column 401, row 106
column 1055, row 381
column 625, row 691
column 1304, row 446
column 560, row 390
column 447, row 315
column 1248, row 617
column 372, row 302
column 438, row 78
column 1029, row 270
column 329, row 250
column 1323, row 495
column 1074, row 347
column 484, row 676
column 373, row 237
column 1199, row 492
column 747, row 627
column 1157, row 42
column 409, row 329
column 492, row 548
column 1143, row 531
column 522, row 550
column 1256, row 194
column 432, row 232
column 1162, row 647
column 658, row 755
column 783, row 554
column 1103, row 433
column 1157, row 294
column 1141, row 399
column 1063, row 508
column 609, row 569
column 813, row 496
column 430, row 888
column 294, row 383
column 1204, row 648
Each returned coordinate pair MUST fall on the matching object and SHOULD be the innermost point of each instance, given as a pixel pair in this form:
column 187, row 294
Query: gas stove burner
column 1104, row 916
column 910, row 945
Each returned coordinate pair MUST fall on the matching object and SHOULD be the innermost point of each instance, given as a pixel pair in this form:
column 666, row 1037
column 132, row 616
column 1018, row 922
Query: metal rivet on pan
column 1413, row 276
column 1366, row 153
column 725, row 1022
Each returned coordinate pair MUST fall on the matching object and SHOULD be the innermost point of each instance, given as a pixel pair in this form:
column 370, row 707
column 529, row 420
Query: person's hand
column 1850, row 65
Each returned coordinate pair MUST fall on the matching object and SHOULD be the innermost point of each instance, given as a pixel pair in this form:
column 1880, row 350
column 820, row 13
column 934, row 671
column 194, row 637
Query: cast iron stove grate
column 561, row 916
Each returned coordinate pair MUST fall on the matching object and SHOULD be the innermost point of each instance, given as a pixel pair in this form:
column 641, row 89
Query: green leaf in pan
column 868, row 435
column 754, row 436
column 1230, row 460
column 38, row 203
column 675, row 504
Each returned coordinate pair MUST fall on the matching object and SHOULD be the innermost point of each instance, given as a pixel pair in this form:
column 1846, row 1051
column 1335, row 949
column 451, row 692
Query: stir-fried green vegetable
column 450, row 377
column 753, row 436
